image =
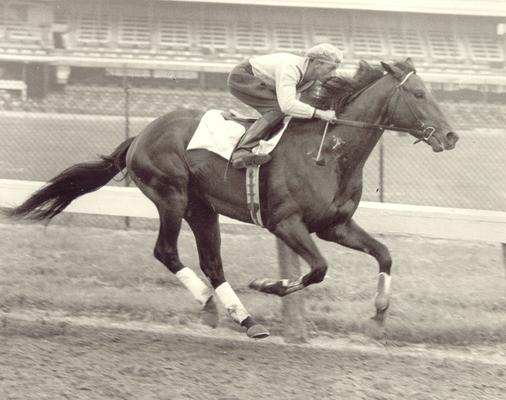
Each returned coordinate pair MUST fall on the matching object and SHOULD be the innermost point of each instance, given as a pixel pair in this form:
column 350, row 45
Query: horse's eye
column 419, row 94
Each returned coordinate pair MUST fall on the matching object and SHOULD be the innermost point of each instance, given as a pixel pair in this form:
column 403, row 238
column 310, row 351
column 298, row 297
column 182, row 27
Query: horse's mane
column 342, row 89
column 337, row 92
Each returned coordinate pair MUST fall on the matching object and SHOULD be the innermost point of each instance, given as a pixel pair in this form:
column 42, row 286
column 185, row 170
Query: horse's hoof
column 209, row 313
column 257, row 332
column 379, row 317
column 381, row 303
column 258, row 284
column 268, row 286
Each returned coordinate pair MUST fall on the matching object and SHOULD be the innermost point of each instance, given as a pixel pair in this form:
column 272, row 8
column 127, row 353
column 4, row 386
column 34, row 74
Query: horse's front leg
column 353, row 236
column 295, row 235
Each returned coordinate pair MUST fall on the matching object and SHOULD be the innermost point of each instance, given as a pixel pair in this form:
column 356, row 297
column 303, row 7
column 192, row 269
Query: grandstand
column 219, row 34
column 178, row 52
column 122, row 58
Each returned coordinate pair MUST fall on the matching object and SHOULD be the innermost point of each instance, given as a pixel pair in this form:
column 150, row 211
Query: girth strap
column 253, row 193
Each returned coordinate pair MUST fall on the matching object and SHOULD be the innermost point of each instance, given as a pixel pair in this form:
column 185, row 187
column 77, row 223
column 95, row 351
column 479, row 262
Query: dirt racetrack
column 54, row 358
column 86, row 313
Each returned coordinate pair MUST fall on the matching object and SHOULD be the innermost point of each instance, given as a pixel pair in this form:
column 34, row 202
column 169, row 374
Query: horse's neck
column 359, row 142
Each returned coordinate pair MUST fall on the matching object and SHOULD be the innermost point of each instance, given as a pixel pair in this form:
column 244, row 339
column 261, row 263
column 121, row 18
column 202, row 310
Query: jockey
column 272, row 84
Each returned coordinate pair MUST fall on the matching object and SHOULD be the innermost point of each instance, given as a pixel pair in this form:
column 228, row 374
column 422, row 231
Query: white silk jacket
column 284, row 72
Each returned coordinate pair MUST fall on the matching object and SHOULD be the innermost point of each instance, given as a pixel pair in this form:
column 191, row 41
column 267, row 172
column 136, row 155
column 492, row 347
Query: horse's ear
column 363, row 64
column 392, row 69
column 409, row 63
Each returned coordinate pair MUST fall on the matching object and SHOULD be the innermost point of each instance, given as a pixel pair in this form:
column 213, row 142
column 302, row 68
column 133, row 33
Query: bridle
column 422, row 134
column 426, row 132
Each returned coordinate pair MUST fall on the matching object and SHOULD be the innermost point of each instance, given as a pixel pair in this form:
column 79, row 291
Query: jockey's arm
column 287, row 77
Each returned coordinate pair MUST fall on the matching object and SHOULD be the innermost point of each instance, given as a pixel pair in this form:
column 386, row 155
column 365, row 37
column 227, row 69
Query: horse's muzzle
column 443, row 142
column 451, row 140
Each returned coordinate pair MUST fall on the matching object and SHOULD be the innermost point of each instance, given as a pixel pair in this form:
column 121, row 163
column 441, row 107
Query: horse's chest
column 343, row 211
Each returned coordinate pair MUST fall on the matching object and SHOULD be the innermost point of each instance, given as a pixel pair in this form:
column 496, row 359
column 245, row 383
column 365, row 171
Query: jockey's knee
column 273, row 117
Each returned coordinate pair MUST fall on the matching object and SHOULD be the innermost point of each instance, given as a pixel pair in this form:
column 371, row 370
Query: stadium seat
column 135, row 31
column 406, row 43
column 251, row 38
column 484, row 48
column 289, row 37
column 368, row 42
column 212, row 36
column 93, row 31
column 174, row 34
column 445, row 47
column 329, row 34
column 24, row 35
column 16, row 29
column 186, row 32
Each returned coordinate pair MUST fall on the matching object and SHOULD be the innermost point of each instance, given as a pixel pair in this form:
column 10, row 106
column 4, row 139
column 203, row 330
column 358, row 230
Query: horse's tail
column 70, row 184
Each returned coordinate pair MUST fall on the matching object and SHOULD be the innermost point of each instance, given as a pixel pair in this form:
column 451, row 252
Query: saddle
column 220, row 135
column 247, row 120
column 236, row 116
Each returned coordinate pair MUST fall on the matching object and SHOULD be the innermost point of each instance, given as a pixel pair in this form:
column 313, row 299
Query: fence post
column 294, row 324
column 504, row 257
column 127, row 124
column 381, row 170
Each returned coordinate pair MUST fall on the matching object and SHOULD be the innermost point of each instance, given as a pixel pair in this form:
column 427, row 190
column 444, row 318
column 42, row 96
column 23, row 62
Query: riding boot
column 243, row 155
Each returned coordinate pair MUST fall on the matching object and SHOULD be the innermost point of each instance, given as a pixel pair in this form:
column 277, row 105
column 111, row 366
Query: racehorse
column 300, row 196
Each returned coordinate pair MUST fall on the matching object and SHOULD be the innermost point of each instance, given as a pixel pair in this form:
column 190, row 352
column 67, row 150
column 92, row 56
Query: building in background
column 192, row 45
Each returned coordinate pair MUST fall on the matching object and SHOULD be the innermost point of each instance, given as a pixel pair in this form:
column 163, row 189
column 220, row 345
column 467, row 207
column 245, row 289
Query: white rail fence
column 436, row 222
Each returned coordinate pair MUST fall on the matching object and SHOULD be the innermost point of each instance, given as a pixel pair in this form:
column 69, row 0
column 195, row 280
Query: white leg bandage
column 231, row 302
column 384, row 281
column 194, row 284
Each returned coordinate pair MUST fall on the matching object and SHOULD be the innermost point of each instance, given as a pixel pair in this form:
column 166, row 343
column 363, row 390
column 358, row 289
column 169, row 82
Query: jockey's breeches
column 251, row 90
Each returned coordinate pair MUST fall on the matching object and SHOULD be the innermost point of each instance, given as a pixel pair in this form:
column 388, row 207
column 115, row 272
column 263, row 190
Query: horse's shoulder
column 301, row 127
column 182, row 114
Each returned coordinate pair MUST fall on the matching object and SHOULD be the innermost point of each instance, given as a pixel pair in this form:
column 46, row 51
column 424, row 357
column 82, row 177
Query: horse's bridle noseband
column 426, row 132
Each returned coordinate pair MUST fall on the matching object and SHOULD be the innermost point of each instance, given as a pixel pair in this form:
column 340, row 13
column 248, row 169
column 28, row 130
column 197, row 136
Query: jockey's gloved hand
column 326, row 115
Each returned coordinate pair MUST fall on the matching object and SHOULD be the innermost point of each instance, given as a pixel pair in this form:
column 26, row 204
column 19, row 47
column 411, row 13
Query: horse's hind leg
column 171, row 211
column 204, row 223
column 156, row 163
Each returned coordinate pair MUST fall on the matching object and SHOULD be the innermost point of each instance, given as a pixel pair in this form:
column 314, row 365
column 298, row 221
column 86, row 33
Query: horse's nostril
column 452, row 137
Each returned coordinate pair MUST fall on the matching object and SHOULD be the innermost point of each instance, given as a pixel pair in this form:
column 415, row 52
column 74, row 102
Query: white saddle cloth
column 220, row 136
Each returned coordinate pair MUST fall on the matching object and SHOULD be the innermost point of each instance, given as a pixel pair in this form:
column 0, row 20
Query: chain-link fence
column 39, row 139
